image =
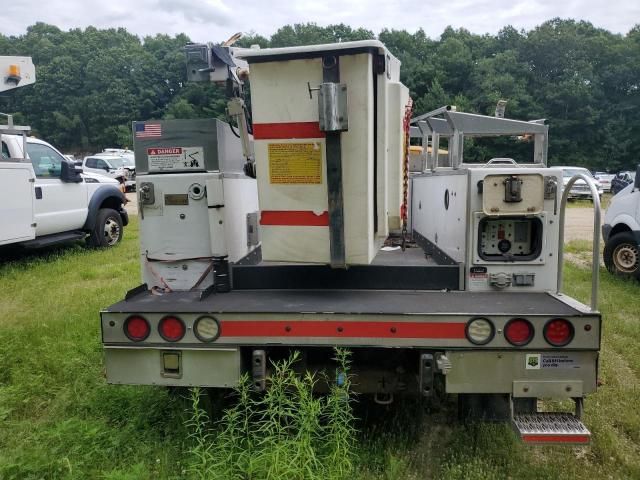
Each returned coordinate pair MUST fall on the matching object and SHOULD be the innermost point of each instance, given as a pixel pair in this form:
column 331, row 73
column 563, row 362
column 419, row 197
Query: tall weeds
column 285, row 433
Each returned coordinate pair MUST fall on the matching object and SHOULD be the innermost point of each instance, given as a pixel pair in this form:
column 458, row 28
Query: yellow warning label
column 296, row 163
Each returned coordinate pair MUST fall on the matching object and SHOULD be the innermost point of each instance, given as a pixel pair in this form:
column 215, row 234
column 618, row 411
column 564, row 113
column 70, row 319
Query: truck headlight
column 206, row 329
column 480, row 331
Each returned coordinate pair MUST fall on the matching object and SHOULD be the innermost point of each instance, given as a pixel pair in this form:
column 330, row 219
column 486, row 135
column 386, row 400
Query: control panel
column 509, row 238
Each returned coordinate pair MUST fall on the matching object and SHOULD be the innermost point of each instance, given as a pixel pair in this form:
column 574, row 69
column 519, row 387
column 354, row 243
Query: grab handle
column 595, row 267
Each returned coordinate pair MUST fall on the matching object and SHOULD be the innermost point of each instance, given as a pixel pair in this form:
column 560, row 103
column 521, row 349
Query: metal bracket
column 259, row 370
column 427, row 370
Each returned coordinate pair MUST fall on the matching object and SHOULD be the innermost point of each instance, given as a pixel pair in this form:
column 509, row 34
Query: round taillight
column 518, row 332
column 172, row 329
column 206, row 329
column 136, row 328
column 558, row 332
column 479, row 331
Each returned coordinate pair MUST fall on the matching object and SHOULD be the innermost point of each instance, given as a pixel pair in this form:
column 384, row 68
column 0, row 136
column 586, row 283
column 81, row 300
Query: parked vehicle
column 621, row 231
column 114, row 165
column 123, row 152
column 46, row 200
column 605, row 180
column 580, row 189
column 242, row 265
column 621, row 180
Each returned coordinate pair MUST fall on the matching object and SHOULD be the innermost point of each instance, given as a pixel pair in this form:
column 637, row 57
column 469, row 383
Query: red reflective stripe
column 273, row 131
column 315, row 328
column 302, row 218
column 556, row 438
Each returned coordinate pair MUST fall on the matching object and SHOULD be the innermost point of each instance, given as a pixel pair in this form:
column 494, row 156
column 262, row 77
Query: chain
column 406, row 126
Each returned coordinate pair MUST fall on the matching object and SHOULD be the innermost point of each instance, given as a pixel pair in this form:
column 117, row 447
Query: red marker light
column 518, row 332
column 172, row 329
column 136, row 328
column 558, row 332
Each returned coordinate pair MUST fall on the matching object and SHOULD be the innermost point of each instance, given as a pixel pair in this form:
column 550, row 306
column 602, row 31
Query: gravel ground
column 132, row 204
column 579, row 224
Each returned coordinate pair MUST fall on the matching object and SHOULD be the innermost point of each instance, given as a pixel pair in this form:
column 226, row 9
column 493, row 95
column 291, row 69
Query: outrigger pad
column 551, row 428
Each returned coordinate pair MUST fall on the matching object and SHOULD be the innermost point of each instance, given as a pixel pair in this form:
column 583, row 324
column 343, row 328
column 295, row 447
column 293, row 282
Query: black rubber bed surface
column 348, row 301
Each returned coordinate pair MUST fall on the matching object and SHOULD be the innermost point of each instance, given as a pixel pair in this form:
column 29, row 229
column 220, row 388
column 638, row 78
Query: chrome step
column 551, row 428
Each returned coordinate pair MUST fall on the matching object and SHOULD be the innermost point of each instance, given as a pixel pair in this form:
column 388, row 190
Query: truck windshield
column 570, row 172
column 118, row 162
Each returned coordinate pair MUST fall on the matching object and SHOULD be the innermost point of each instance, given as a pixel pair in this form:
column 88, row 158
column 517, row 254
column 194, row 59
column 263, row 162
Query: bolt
column 340, row 329
column 112, row 323
column 287, row 328
column 393, row 329
column 525, row 389
column 182, row 216
column 568, row 389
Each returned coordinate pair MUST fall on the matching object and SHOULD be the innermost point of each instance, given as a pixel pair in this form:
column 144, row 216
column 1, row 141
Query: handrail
column 595, row 274
column 501, row 161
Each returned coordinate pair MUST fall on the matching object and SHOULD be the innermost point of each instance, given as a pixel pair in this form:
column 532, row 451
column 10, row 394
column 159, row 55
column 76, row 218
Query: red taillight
column 558, row 332
column 518, row 332
column 136, row 328
column 171, row 329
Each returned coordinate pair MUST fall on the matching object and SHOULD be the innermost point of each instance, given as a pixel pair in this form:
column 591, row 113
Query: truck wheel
column 108, row 229
column 622, row 255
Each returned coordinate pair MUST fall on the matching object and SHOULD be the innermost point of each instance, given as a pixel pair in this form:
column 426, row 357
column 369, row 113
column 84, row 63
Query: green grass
column 59, row 419
column 606, row 200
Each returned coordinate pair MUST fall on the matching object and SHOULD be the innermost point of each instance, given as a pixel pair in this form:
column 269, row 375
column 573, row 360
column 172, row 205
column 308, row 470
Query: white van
column 621, row 231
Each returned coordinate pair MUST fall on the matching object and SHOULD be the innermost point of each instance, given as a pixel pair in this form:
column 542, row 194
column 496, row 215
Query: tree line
column 584, row 80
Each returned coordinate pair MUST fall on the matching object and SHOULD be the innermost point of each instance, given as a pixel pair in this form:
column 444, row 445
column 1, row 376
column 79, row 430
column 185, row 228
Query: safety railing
column 595, row 275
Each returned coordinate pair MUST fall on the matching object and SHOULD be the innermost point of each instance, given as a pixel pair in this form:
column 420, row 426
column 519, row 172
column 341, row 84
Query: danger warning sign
column 175, row 159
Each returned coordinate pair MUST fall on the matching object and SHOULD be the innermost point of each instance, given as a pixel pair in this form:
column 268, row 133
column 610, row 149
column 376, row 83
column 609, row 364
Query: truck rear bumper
column 559, row 375
column 219, row 367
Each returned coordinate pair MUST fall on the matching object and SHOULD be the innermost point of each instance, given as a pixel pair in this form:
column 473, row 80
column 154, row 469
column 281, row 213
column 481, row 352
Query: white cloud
column 216, row 20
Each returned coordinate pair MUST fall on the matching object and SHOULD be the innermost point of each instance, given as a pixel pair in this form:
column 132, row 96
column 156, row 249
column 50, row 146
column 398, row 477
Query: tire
column 108, row 230
column 622, row 255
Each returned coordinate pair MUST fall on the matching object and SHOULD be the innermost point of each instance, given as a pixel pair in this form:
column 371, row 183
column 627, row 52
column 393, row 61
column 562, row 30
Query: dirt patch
column 579, row 224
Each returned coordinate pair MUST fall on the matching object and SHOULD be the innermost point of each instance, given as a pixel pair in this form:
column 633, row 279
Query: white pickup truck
column 45, row 200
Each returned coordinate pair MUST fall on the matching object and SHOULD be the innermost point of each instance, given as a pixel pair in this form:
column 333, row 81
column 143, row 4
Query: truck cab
column 48, row 201
column 44, row 198
column 621, row 231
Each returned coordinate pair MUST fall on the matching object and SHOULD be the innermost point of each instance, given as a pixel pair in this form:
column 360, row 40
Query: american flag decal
column 147, row 130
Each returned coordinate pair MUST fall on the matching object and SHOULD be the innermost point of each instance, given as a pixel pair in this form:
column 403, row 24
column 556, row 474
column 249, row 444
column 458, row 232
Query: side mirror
column 636, row 183
column 69, row 173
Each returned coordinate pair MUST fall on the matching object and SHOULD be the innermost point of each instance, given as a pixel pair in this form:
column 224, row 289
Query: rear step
column 551, row 428
column 55, row 238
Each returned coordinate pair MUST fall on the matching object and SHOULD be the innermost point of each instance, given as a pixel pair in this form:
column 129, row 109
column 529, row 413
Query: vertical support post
column 331, row 73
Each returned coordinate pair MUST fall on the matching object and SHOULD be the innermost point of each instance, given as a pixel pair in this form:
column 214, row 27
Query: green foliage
column 584, row 80
column 286, row 433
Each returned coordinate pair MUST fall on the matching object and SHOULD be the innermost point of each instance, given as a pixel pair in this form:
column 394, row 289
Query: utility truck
column 44, row 198
column 443, row 278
